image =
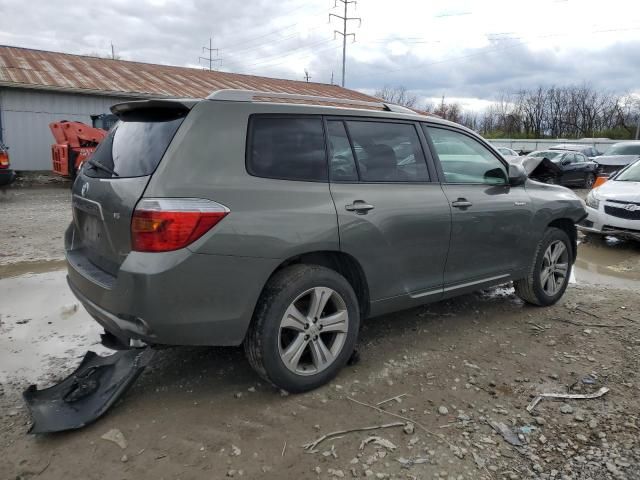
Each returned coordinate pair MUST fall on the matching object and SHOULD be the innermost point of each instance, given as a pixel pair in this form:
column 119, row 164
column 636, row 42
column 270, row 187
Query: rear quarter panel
column 269, row 218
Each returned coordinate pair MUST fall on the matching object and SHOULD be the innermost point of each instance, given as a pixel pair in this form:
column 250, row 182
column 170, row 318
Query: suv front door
column 491, row 221
column 391, row 216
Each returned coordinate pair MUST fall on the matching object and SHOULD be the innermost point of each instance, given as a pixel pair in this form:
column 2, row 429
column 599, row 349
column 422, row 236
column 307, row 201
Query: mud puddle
column 608, row 261
column 43, row 329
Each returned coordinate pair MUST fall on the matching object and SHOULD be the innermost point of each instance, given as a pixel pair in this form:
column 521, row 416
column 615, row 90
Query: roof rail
column 235, row 95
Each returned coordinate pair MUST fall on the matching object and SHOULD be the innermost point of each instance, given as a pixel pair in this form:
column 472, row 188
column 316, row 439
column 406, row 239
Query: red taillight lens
column 4, row 160
column 165, row 224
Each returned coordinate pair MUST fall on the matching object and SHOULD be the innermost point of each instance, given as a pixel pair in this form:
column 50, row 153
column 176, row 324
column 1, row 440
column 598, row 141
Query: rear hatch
column 114, row 178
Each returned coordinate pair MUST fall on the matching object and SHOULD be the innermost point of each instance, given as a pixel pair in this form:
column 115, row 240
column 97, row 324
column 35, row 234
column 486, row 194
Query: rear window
column 287, row 148
column 133, row 148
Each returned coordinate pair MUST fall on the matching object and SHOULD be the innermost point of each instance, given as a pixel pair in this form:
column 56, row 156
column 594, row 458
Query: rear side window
column 287, row 148
column 388, row 152
column 133, row 148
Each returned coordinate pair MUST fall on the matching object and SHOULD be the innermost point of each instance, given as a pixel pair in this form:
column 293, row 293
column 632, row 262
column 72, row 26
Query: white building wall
column 26, row 115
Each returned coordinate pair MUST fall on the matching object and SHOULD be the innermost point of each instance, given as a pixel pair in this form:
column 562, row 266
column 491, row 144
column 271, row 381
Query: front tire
column 304, row 329
column 550, row 271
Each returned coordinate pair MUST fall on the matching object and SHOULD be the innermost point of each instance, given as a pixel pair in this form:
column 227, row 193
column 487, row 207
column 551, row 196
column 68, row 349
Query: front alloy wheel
column 555, row 265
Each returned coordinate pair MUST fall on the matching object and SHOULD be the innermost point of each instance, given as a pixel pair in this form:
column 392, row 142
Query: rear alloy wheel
column 304, row 329
column 589, row 181
column 550, row 271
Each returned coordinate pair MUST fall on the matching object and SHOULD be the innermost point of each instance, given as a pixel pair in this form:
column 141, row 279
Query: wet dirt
column 42, row 328
column 202, row 413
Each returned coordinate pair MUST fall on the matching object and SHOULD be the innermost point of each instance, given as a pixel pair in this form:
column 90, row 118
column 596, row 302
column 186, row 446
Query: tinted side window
column 465, row 160
column 388, row 152
column 342, row 165
column 287, row 148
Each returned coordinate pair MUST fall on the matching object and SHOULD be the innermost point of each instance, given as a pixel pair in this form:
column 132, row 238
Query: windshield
column 624, row 149
column 132, row 149
column 546, row 154
column 631, row 174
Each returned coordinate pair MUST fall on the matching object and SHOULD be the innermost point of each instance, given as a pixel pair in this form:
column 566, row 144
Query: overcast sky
column 470, row 51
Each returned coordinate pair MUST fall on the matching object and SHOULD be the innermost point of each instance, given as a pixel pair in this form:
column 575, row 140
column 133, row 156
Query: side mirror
column 517, row 175
column 565, row 162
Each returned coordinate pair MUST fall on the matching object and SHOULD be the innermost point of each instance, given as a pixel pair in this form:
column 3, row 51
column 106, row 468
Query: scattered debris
column 235, row 451
column 114, row 435
column 573, row 396
column 383, row 442
column 284, row 448
column 442, row 410
column 509, row 435
column 311, row 446
column 408, row 428
column 397, row 398
column 410, row 462
column 422, row 427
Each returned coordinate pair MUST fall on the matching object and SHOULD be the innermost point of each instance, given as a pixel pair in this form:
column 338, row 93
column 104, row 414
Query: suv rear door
column 112, row 181
column 490, row 219
column 392, row 217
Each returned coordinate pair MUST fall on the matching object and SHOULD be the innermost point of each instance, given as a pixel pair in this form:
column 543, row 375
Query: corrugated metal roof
column 38, row 69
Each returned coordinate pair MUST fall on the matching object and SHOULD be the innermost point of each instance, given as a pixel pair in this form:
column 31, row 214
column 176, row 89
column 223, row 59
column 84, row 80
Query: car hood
column 616, row 159
column 534, row 164
column 625, row 191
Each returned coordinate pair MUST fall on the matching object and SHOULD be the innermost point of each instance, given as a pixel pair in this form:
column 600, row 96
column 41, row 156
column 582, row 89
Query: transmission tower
column 344, row 33
column 306, row 75
column 210, row 58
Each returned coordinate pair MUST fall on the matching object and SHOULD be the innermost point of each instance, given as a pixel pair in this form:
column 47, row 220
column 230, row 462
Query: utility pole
column 332, row 77
column 306, row 75
column 344, row 33
column 638, row 129
column 113, row 53
column 210, row 50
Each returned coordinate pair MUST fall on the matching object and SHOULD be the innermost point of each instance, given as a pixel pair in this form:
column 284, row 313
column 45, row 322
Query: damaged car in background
column 614, row 207
column 569, row 168
column 618, row 156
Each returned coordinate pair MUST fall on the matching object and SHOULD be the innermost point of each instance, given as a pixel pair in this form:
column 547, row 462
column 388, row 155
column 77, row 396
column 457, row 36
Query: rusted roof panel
column 22, row 67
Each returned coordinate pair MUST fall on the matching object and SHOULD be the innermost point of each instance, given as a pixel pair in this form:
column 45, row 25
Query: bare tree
column 398, row 95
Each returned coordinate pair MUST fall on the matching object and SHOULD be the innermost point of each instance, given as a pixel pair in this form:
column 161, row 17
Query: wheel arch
column 567, row 225
column 342, row 263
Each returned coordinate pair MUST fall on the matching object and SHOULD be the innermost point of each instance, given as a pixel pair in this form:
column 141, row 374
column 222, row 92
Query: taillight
column 164, row 224
column 4, row 160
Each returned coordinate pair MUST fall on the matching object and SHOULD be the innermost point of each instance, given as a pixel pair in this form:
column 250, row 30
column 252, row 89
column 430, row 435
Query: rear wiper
column 100, row 166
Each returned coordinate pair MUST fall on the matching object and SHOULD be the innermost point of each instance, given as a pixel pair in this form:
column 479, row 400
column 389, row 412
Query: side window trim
column 426, row 153
column 436, row 158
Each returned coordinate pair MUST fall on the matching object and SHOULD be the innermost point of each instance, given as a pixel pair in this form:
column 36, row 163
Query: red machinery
column 75, row 142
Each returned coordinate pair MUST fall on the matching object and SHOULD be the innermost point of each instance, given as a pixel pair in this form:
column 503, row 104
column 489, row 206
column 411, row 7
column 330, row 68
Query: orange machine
column 75, row 142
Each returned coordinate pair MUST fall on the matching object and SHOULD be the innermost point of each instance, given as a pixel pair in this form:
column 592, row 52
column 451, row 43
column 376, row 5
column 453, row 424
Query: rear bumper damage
column 86, row 394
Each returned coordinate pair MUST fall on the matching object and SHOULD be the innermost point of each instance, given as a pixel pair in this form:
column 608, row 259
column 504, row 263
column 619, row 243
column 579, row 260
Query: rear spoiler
column 159, row 110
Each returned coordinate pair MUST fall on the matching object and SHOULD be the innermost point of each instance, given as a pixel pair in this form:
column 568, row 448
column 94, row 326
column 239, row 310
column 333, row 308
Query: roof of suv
column 315, row 104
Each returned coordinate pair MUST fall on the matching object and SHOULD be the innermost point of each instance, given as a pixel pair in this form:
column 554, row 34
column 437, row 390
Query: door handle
column 461, row 203
column 359, row 206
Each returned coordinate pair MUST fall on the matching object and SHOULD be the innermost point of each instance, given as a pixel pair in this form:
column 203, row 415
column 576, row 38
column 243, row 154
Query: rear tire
column 550, row 270
column 589, row 181
column 304, row 328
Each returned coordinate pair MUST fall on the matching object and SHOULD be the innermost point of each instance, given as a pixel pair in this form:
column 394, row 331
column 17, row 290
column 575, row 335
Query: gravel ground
column 461, row 370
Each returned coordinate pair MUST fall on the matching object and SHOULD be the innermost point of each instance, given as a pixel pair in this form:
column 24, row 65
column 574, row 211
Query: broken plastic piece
column 87, row 393
column 509, row 435
column 574, row 396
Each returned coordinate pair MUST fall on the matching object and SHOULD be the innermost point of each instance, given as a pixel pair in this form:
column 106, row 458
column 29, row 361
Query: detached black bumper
column 6, row 177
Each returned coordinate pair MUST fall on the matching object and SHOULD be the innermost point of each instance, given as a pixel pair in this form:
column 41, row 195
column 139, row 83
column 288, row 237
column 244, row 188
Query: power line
column 210, row 58
column 344, row 33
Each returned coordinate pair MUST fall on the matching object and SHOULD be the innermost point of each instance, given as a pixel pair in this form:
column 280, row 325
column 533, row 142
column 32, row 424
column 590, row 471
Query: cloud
column 429, row 47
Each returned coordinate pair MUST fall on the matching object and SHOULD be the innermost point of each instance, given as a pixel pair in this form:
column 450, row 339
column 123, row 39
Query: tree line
column 574, row 111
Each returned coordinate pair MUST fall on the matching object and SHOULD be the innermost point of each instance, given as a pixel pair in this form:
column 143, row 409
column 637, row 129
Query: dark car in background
column 586, row 150
column 576, row 169
column 618, row 156
column 7, row 175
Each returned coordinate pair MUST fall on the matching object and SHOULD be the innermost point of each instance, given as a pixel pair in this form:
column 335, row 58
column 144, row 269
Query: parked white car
column 614, row 207
column 508, row 153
